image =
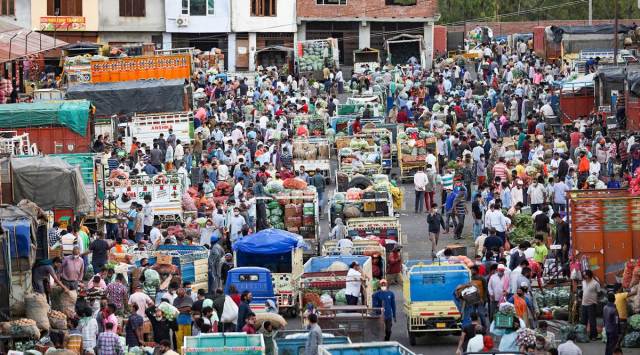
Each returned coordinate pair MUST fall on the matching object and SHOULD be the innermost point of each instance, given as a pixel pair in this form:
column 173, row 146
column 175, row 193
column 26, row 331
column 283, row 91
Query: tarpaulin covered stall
column 141, row 96
column 606, row 80
column 50, row 182
column 18, row 249
column 268, row 246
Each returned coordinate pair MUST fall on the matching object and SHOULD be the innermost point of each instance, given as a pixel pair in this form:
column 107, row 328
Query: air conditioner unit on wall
column 182, row 21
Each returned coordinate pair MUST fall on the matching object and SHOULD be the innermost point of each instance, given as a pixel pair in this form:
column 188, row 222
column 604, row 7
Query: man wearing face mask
column 236, row 224
column 385, row 299
column 72, row 269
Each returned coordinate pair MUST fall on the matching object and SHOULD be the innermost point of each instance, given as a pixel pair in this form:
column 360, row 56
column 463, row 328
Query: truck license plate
column 441, row 325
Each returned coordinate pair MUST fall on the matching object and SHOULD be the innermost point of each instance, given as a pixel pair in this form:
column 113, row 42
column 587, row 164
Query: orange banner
column 175, row 66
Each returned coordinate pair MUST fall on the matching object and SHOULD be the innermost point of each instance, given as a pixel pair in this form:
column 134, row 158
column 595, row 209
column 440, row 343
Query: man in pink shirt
column 141, row 299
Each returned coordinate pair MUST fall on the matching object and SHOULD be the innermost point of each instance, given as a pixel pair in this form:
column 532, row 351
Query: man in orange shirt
column 583, row 169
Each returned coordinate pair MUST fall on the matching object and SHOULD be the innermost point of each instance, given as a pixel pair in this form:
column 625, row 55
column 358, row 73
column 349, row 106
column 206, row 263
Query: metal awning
column 17, row 42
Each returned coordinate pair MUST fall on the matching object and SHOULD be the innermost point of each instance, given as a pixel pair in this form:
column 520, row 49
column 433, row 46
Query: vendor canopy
column 50, row 182
column 71, row 114
column 127, row 97
column 269, row 241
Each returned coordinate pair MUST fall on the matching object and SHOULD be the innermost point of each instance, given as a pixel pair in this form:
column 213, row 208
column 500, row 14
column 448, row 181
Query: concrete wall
column 110, row 19
column 366, row 9
column 89, row 12
column 22, row 16
column 132, row 37
column 220, row 21
column 506, row 28
column 284, row 21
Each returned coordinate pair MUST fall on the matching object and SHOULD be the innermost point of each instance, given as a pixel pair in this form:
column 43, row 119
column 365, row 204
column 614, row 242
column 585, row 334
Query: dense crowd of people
column 501, row 154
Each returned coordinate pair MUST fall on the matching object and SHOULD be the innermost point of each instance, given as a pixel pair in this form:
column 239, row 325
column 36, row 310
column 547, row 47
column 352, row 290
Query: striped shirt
column 500, row 170
column 447, row 181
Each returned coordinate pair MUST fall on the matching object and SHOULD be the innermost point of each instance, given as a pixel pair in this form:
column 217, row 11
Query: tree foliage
column 455, row 12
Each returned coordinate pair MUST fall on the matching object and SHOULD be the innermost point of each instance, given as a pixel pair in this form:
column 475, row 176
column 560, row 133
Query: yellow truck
column 428, row 290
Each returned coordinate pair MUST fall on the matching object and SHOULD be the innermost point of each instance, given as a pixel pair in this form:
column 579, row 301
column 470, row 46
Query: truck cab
column 428, row 290
column 257, row 280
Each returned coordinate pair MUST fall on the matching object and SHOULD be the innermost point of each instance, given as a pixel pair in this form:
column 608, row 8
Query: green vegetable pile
column 523, row 228
column 634, row 321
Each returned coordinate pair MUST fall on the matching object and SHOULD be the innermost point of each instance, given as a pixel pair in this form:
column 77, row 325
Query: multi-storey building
column 365, row 23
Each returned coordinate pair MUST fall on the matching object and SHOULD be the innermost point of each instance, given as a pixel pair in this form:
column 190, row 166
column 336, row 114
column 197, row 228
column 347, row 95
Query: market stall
column 312, row 153
column 413, row 144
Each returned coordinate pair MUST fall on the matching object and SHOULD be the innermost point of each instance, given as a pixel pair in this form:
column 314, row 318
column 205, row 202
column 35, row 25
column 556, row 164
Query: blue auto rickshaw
column 256, row 280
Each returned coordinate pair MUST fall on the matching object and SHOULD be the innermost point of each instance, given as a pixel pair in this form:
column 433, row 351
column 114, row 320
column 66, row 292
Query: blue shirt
column 131, row 219
column 387, row 300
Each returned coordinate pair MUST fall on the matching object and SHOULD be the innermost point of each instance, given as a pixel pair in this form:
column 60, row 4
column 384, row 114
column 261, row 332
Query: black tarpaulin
column 633, row 83
column 613, row 75
column 558, row 32
column 127, row 97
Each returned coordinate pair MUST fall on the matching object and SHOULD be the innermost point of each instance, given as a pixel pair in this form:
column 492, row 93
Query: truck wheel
column 412, row 339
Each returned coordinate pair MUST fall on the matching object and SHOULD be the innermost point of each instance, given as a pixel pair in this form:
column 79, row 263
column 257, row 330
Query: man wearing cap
column 385, row 299
column 498, row 286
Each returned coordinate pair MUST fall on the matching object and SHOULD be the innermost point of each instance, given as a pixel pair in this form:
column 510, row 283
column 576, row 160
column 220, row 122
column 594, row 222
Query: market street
column 417, row 247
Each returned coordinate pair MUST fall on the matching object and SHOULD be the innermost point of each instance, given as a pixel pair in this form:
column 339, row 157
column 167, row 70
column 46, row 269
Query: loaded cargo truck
column 56, row 127
column 372, row 348
column 402, row 48
column 312, row 153
column 366, row 60
column 147, row 127
column 281, row 253
column 605, row 230
column 165, row 190
column 313, row 56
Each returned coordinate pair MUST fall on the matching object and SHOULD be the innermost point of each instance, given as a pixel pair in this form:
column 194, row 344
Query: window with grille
column 132, row 8
column 331, row 2
column 198, row 7
column 64, row 7
column 400, row 2
column 7, row 7
column 263, row 7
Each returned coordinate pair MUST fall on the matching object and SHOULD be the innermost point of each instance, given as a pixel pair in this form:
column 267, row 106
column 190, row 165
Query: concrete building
column 203, row 24
column 69, row 20
column 257, row 24
column 131, row 21
column 361, row 24
column 17, row 12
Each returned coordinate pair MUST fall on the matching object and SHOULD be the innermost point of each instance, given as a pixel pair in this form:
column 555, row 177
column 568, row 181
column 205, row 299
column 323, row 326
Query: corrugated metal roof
column 17, row 42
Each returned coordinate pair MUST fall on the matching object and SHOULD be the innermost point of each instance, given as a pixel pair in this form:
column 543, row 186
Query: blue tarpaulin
column 269, row 241
column 19, row 237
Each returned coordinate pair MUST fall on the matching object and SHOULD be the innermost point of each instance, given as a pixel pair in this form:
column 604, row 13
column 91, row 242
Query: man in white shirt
column 494, row 218
column 178, row 154
column 155, row 235
column 345, row 245
column 536, row 194
column 237, row 189
column 147, row 211
column 420, row 181
column 354, row 282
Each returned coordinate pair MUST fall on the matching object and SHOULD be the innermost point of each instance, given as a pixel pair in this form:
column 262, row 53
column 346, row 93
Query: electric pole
column 615, row 32
column 590, row 12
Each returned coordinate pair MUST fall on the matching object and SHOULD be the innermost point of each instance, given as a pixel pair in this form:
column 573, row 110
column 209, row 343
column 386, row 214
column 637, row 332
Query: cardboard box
column 163, row 259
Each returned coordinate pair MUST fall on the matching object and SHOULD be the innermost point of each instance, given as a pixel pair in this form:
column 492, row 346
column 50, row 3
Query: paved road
column 414, row 227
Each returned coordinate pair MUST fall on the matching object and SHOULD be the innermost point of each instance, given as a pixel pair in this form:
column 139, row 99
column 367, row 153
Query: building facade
column 359, row 24
column 257, row 24
column 17, row 12
column 69, row 20
column 131, row 22
column 203, row 24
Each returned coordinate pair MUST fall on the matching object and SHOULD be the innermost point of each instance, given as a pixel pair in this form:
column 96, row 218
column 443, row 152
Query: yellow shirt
column 519, row 170
column 621, row 305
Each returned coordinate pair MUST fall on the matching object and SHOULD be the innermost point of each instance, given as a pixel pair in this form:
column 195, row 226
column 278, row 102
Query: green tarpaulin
column 73, row 114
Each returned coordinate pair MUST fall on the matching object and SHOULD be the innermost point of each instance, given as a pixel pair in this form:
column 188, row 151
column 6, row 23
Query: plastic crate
column 503, row 320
